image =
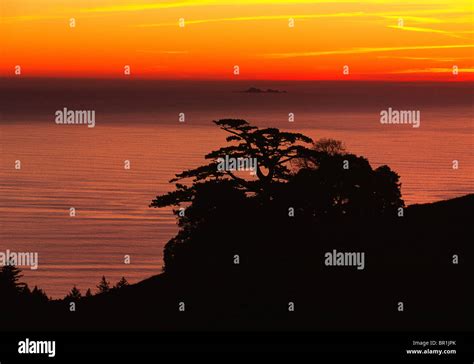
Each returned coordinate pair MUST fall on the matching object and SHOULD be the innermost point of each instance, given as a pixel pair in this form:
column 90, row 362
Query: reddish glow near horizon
column 385, row 39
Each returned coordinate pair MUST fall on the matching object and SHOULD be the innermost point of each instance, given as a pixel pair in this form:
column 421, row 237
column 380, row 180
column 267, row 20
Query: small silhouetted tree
column 75, row 294
column 321, row 147
column 10, row 280
column 39, row 295
column 329, row 146
column 88, row 293
column 104, row 285
column 25, row 290
column 121, row 283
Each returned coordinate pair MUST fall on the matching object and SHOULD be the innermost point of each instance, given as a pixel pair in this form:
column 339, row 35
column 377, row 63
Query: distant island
column 255, row 90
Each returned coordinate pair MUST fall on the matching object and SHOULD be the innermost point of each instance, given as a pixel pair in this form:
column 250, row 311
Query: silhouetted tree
column 329, row 146
column 343, row 185
column 272, row 149
column 75, row 294
column 39, row 295
column 9, row 280
column 327, row 185
column 25, row 290
column 88, row 293
column 121, row 283
column 320, row 147
column 104, row 285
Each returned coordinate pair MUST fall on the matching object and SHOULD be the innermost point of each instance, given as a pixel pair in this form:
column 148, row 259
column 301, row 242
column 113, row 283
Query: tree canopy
column 314, row 182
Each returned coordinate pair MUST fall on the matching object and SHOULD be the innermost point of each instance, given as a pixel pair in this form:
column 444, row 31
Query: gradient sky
column 145, row 34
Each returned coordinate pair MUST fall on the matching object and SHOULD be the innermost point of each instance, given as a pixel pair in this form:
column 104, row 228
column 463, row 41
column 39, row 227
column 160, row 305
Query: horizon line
column 138, row 78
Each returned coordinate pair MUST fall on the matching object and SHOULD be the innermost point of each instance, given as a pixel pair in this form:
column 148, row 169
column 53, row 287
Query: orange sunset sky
column 379, row 39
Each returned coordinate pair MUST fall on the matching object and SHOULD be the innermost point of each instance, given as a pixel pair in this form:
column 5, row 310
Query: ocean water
column 64, row 166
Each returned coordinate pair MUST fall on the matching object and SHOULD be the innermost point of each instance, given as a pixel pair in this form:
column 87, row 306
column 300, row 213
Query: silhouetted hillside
column 262, row 251
column 411, row 264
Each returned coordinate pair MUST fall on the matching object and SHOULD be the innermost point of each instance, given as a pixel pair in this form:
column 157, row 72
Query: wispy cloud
column 415, row 15
column 148, row 6
column 434, row 59
column 415, row 19
column 432, row 70
column 361, row 50
column 355, row 14
column 26, row 18
column 201, row 3
column 426, row 30
column 161, row 51
column 258, row 17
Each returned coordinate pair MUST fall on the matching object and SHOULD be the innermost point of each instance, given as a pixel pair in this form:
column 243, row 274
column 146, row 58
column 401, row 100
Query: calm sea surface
column 80, row 167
